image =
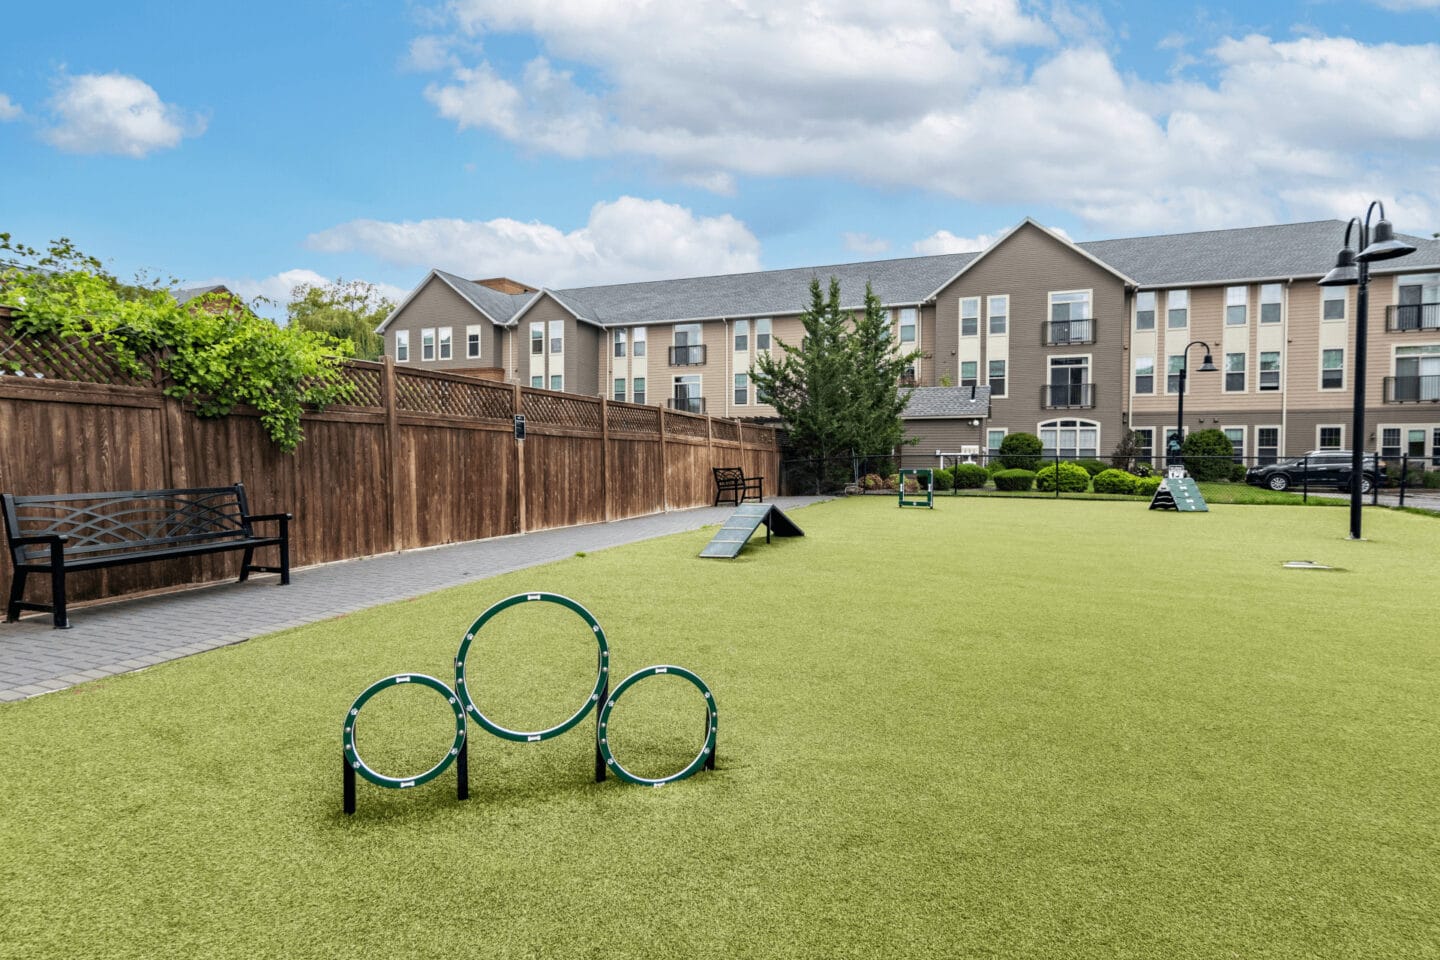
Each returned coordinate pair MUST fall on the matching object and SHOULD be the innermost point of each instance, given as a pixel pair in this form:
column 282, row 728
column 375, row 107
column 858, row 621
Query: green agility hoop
column 706, row 751
column 602, row 676
column 352, row 755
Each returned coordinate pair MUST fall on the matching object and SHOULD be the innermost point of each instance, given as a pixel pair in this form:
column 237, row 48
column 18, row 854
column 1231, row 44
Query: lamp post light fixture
column 1352, row 269
column 1206, row 366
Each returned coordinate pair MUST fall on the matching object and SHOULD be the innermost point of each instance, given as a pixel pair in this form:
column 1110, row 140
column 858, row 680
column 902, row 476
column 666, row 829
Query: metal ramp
column 1179, row 493
column 744, row 522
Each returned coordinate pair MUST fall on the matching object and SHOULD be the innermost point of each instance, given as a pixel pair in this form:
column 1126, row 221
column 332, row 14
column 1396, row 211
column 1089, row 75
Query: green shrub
column 1237, row 473
column 1073, row 478
column 1014, row 479
column 994, row 467
column 1144, row 470
column 873, row 481
column 1021, row 451
column 1093, row 467
column 1115, row 481
column 970, row 476
column 1430, row 480
column 1146, row 486
column 944, row 479
column 1208, row 455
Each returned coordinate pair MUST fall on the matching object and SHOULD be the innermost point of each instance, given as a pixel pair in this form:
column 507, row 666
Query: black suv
column 1318, row 468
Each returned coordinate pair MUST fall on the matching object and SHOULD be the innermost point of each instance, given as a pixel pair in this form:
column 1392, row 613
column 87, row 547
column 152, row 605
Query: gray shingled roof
column 1249, row 253
column 498, row 306
column 948, row 403
column 895, row 282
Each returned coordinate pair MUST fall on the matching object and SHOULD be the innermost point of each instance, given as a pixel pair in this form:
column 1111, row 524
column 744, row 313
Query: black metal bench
column 59, row 533
column 732, row 486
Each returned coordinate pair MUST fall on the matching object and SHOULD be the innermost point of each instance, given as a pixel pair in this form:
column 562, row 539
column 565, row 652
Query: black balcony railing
column 687, row 404
column 1066, row 332
column 1067, row 395
column 1412, row 316
column 687, row 356
column 1413, row 389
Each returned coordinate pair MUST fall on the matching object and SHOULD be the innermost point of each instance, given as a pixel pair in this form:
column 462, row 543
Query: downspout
column 1284, row 372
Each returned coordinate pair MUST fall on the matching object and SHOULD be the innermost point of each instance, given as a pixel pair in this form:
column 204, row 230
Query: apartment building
column 1074, row 342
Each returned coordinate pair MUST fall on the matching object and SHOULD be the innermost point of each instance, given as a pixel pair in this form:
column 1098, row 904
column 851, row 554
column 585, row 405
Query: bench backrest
column 728, row 475
column 125, row 521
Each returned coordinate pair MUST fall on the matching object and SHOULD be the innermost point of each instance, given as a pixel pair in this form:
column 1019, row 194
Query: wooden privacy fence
column 417, row 458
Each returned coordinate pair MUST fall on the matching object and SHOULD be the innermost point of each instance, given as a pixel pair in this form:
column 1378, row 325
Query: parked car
column 1318, row 468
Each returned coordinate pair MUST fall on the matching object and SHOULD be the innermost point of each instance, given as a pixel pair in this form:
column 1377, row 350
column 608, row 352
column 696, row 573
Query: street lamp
column 1347, row 274
column 1206, row 366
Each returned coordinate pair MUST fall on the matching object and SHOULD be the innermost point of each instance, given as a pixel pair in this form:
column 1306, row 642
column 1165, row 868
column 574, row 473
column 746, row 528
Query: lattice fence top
column 367, row 380
column 53, row 358
column 628, row 419
column 455, row 397
column 725, row 430
column 561, row 411
column 759, row 436
column 685, row 425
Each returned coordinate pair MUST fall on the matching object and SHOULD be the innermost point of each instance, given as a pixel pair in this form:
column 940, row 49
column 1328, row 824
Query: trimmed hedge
column 1093, row 467
column 970, row 476
column 1208, row 455
column 1014, row 479
column 1021, row 451
column 944, row 479
column 1115, row 481
column 1146, row 486
column 1073, row 478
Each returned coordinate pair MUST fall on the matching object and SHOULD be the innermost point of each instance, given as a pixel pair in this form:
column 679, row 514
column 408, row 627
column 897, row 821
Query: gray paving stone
column 128, row 635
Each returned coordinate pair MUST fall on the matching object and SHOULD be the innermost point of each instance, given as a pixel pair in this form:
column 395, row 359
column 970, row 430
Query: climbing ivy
column 214, row 352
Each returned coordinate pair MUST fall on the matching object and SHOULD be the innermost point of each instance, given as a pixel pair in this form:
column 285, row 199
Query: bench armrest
column 268, row 516
column 54, row 539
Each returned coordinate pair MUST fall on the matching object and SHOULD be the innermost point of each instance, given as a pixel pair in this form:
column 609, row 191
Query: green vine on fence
column 215, row 352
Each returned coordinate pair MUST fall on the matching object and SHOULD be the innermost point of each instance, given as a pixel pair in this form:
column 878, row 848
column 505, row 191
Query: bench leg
column 285, row 560
column 57, row 591
column 245, row 563
column 17, row 594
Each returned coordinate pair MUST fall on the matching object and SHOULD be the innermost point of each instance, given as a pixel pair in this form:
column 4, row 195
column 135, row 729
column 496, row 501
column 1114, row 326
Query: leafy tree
column 346, row 310
column 215, row 358
column 837, row 390
column 1127, row 449
column 1208, row 454
column 1021, row 451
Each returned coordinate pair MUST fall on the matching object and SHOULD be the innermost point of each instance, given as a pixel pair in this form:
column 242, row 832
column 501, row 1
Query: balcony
column 1422, row 389
column 692, row 355
column 1412, row 316
column 1067, row 396
column 687, row 404
column 1064, row 333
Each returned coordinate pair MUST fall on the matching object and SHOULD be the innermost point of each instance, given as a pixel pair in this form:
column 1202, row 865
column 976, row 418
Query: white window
column 1070, row 383
column 969, row 373
column 997, row 309
column 619, row 389
column 1270, row 294
column 997, row 378
column 1331, row 437
column 1144, row 438
column 637, row 390
column 1145, row 310
column 762, row 333
column 402, row 346
column 742, row 389
column 1073, row 439
column 538, row 382
column 1234, row 373
column 1237, row 302
column 1267, row 445
column 619, row 339
column 1418, row 304
column 557, row 381
column 970, row 316
column 1070, row 318
column 687, row 395
column 1332, row 302
column 1177, row 305
column 742, row 336
column 993, row 438
column 537, row 339
column 1332, row 369
column 447, row 335
column 1270, row 370
column 1236, row 436
column 557, row 336
column 472, row 341
column 1174, row 364
column 1417, row 373
column 637, row 342
column 427, row 343
column 908, row 317
column 1144, row 374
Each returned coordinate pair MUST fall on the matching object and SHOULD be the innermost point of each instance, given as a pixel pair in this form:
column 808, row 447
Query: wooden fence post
column 519, row 471
column 391, row 451
column 664, row 467
column 605, row 452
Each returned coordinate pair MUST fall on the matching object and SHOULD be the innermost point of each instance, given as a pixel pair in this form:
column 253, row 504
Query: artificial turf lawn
column 995, row 729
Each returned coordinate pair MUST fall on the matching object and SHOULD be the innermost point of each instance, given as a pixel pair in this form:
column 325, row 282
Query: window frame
column 1139, row 310
column 1239, row 448
column 637, row 389
column 990, row 378
column 1137, row 374
column 974, row 319
column 618, row 392
column 638, row 338
column 1278, row 302
column 1325, row 370
column 402, row 346
column 557, row 382
column 617, row 341
column 762, row 329
column 1230, row 305
column 911, row 314
column 1260, row 371
column 1004, row 315
column 1183, row 293
column 537, row 338
column 974, row 378
column 427, row 344
column 472, row 341
column 1278, row 447
column 1243, row 372
column 742, row 336
column 556, row 343
column 1338, row 428
column 1329, row 295
column 741, row 391
column 445, row 343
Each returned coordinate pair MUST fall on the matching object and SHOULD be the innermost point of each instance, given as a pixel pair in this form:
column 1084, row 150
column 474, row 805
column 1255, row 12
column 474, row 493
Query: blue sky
column 565, row 142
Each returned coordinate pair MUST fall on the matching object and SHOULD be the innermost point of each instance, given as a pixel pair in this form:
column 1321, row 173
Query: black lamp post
column 1207, row 366
column 1383, row 246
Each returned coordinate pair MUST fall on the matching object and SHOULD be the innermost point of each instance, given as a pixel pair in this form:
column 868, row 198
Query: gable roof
column 947, row 403
column 499, row 308
column 1063, row 241
column 186, row 294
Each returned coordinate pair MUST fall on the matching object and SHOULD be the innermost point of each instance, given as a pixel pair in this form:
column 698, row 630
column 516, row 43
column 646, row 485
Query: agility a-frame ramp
column 743, row 523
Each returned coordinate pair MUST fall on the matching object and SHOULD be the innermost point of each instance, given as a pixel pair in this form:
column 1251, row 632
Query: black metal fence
column 1406, row 481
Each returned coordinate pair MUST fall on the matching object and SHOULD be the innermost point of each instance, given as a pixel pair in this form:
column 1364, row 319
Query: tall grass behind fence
column 416, row 458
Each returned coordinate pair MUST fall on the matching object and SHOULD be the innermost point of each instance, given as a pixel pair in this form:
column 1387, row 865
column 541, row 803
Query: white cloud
column 1409, row 4
column 115, row 113
column 625, row 240
column 935, row 95
column 9, row 109
column 280, row 287
column 943, row 241
column 865, row 244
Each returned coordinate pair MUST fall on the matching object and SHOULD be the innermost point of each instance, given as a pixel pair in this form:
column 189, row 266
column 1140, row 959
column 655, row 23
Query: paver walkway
column 132, row 634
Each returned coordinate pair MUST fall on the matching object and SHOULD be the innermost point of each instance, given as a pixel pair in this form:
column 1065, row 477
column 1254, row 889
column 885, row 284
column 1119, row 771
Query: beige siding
column 437, row 305
column 944, row 435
